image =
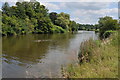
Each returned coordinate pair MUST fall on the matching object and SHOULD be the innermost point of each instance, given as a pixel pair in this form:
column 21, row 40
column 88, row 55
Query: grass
column 97, row 59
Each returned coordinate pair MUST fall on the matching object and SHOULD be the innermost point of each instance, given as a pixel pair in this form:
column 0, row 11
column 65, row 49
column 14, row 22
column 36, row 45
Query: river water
column 40, row 55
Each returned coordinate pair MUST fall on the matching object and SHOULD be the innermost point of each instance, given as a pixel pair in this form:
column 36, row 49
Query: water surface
column 40, row 55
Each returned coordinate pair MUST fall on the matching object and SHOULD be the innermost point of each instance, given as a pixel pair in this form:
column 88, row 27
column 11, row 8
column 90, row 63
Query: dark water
column 41, row 55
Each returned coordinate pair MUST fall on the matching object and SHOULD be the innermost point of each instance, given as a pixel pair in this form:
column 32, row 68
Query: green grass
column 98, row 59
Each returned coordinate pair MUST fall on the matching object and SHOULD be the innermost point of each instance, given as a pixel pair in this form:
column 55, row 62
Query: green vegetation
column 97, row 59
column 88, row 27
column 32, row 17
column 105, row 24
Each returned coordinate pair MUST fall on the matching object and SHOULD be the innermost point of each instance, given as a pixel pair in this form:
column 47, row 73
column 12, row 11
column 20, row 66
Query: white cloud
column 51, row 6
column 85, row 12
column 78, row 0
column 100, row 12
column 91, row 16
column 26, row 0
column 66, row 0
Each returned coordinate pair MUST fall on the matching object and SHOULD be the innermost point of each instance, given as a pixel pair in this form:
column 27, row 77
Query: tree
column 73, row 26
column 63, row 20
column 53, row 17
column 29, row 10
column 107, row 23
column 96, row 26
column 32, row 17
column 20, row 11
column 5, row 8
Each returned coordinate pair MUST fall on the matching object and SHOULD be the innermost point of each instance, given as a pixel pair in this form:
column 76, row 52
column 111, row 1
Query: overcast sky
column 83, row 12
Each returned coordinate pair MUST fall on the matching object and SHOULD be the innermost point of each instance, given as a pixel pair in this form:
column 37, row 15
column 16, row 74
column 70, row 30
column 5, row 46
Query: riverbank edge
column 97, row 59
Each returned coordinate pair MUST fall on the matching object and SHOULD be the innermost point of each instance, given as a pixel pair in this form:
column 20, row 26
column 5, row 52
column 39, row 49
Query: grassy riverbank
column 98, row 59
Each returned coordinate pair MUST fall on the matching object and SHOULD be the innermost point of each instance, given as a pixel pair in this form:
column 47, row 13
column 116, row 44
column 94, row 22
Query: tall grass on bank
column 97, row 59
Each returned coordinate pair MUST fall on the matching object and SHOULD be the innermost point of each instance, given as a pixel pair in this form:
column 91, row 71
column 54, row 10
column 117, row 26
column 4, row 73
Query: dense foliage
column 32, row 17
column 87, row 27
column 98, row 58
column 106, row 26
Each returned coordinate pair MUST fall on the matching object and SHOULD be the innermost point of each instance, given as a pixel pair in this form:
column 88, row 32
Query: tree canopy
column 105, row 24
column 32, row 17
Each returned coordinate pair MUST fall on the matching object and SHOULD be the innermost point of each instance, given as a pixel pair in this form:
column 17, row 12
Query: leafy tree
column 32, row 17
column 107, row 23
column 53, row 16
column 63, row 20
column 20, row 11
column 73, row 26
column 30, row 10
column 96, row 26
column 6, row 8
column 86, row 27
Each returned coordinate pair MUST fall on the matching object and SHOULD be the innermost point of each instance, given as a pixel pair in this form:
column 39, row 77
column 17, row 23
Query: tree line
column 88, row 27
column 32, row 17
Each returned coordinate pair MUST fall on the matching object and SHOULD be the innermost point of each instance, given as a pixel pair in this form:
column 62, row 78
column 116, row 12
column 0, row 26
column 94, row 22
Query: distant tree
column 86, row 27
column 96, row 26
column 73, row 26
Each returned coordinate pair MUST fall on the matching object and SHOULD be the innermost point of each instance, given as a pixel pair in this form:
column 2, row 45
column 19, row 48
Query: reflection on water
column 40, row 55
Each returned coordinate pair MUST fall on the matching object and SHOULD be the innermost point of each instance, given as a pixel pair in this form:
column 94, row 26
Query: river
column 40, row 55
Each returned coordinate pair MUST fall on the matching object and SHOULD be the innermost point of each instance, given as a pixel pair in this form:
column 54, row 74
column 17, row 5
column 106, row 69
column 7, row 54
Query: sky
column 81, row 12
